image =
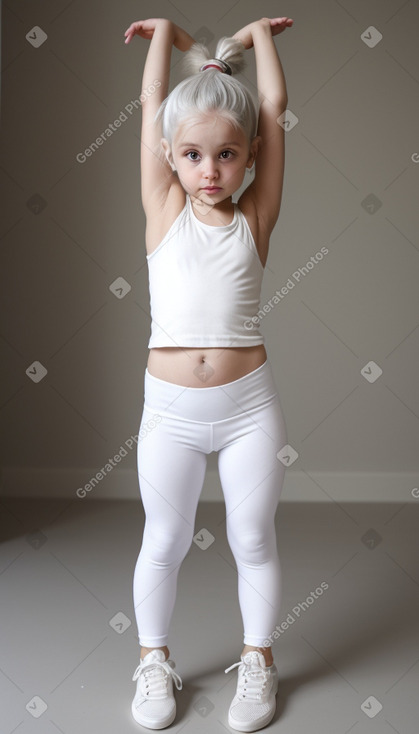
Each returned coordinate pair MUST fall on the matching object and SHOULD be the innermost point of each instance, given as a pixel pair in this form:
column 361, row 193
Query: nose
column 210, row 169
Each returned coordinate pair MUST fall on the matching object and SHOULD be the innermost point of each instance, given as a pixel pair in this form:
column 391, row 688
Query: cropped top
column 205, row 284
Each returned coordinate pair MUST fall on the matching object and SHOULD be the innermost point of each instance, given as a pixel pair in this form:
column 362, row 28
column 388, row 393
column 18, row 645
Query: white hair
column 210, row 91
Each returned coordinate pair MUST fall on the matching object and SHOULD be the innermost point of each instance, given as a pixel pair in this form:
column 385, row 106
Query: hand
column 143, row 28
column 276, row 25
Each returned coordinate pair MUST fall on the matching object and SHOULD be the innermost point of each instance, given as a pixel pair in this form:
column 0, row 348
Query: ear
column 168, row 153
column 254, row 148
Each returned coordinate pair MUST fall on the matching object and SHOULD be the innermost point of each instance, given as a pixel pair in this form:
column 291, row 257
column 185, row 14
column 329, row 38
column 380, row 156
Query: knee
column 254, row 546
column 166, row 547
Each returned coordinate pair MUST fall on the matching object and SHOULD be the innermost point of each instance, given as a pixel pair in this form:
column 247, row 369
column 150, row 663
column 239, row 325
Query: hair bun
column 229, row 50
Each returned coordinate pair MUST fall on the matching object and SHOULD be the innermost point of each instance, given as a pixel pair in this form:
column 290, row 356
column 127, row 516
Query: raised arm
column 270, row 75
column 156, row 173
column 265, row 191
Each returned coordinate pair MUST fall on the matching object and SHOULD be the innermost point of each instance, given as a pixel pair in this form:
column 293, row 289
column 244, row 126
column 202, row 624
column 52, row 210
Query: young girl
column 208, row 383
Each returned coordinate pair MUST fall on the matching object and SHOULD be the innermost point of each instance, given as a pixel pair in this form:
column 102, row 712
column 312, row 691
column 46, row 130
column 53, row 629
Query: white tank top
column 205, row 284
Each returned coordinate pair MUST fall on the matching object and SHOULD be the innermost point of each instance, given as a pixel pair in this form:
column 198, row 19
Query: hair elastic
column 221, row 65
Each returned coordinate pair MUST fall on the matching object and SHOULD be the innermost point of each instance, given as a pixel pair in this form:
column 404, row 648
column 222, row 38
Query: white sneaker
column 154, row 705
column 254, row 704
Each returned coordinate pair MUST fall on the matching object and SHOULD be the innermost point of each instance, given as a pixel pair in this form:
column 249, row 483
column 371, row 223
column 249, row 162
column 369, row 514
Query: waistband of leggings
column 209, row 404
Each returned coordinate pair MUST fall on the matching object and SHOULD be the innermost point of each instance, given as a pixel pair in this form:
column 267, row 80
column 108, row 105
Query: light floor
column 348, row 661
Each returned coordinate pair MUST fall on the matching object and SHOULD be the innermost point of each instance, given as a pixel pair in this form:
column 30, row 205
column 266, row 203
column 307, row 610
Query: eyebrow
column 195, row 145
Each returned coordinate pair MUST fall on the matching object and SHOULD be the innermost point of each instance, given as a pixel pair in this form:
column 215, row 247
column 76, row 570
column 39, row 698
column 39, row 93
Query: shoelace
column 252, row 681
column 155, row 678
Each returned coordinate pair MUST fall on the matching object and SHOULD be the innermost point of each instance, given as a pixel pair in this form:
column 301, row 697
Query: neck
column 222, row 206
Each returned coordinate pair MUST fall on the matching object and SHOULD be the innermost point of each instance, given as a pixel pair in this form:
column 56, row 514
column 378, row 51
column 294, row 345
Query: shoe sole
column 150, row 723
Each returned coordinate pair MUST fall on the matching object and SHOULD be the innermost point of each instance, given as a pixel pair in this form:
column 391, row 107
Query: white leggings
column 243, row 421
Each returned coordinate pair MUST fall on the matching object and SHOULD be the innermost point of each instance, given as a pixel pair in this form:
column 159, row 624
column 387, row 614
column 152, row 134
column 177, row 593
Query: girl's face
column 210, row 152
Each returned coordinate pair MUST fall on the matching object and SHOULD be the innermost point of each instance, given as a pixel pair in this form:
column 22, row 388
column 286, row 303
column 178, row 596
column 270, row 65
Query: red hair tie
column 220, row 65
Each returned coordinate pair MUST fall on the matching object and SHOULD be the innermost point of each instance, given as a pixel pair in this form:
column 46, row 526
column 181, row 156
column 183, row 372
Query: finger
column 134, row 27
column 132, row 30
column 282, row 21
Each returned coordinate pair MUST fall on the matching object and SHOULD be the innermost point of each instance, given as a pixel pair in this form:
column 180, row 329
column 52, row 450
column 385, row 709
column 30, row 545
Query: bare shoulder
column 259, row 229
column 162, row 213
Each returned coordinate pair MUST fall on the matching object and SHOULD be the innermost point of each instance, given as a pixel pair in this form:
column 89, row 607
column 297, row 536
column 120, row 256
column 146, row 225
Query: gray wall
column 70, row 229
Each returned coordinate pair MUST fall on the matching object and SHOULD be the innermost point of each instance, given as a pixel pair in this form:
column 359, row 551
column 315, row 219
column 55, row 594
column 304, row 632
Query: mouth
column 212, row 188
